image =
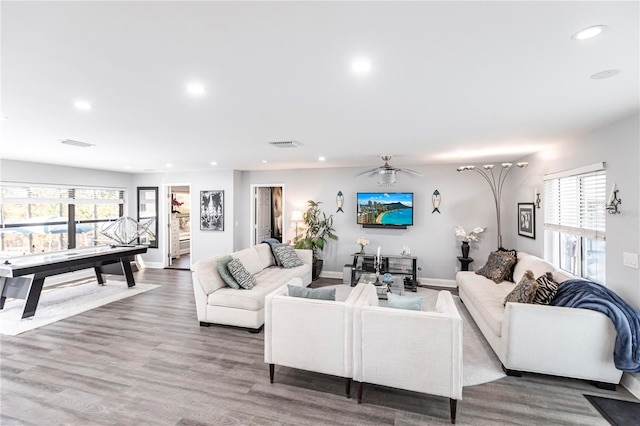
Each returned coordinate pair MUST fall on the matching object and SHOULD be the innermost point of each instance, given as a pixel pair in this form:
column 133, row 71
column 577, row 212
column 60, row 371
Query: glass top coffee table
column 395, row 287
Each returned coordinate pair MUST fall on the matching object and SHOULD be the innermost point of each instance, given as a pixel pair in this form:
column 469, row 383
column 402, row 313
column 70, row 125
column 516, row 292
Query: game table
column 22, row 277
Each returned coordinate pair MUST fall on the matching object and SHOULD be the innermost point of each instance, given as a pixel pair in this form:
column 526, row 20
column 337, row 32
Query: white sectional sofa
column 554, row 340
column 219, row 304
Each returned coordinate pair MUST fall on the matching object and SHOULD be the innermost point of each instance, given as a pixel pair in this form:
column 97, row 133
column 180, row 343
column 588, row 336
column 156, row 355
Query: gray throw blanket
column 626, row 319
column 272, row 242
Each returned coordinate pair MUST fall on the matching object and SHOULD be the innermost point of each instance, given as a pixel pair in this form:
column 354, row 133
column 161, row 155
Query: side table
column 464, row 262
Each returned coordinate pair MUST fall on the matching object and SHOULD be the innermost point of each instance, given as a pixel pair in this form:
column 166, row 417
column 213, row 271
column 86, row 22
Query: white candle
column 613, row 192
column 378, row 254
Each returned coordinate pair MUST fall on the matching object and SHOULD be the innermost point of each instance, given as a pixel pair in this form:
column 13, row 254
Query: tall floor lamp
column 296, row 216
column 496, row 183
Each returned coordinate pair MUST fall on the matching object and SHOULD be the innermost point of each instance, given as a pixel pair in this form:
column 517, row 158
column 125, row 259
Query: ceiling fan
column 386, row 173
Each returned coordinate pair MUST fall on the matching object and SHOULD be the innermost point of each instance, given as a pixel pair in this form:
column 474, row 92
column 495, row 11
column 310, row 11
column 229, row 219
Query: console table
column 395, row 265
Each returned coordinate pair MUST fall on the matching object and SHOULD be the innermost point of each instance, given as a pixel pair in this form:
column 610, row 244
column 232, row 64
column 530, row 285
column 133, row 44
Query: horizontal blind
column 576, row 204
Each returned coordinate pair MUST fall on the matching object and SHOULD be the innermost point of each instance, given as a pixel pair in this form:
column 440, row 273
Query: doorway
column 267, row 213
column 179, row 229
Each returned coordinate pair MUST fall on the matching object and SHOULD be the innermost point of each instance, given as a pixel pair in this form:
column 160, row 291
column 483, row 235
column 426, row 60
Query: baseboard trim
column 153, row 265
column 436, row 282
column 631, row 382
column 331, row 274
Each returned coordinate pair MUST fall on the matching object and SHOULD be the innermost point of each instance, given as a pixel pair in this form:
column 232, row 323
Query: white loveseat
column 544, row 339
column 220, row 304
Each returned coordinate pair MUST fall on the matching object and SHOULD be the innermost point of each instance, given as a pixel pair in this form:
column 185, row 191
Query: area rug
column 480, row 363
column 62, row 302
column 616, row 411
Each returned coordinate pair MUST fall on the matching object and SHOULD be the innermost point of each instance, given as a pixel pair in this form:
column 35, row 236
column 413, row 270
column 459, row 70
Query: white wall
column 618, row 144
column 432, row 238
column 203, row 243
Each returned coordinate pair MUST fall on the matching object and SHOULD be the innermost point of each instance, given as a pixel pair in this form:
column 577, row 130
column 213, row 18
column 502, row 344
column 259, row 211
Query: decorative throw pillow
column 524, row 291
column 547, row 289
column 241, row 275
column 411, row 303
column 286, row 256
column 514, row 252
column 498, row 266
column 226, row 276
column 312, row 293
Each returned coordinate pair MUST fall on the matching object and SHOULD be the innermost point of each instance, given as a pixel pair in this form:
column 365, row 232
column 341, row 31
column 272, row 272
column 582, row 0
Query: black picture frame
column 527, row 220
column 212, row 210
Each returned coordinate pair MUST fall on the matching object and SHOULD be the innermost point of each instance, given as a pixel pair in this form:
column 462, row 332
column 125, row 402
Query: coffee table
column 396, row 287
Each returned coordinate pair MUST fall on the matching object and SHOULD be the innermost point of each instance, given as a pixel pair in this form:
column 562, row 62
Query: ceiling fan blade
column 411, row 171
column 369, row 171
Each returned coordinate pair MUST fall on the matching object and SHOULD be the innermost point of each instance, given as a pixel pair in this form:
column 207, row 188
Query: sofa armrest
column 305, row 255
column 558, row 340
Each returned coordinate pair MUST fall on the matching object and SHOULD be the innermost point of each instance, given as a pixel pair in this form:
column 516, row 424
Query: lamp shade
column 296, row 216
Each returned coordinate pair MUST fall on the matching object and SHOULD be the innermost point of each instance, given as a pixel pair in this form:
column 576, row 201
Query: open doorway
column 267, row 213
column 179, row 229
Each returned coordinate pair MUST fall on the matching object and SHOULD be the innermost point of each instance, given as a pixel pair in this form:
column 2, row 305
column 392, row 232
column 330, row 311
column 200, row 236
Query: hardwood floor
column 146, row 361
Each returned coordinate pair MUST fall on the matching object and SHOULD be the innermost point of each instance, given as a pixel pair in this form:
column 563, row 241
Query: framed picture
column 212, row 210
column 527, row 220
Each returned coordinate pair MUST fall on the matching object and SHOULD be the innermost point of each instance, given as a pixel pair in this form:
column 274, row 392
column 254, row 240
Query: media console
column 394, row 265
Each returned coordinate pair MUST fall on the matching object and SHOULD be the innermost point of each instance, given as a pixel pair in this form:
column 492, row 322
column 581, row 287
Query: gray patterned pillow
column 498, row 266
column 286, row 256
column 547, row 289
column 241, row 275
column 524, row 291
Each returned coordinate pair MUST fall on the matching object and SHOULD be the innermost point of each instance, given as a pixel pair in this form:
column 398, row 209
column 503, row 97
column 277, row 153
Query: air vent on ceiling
column 76, row 143
column 286, row 144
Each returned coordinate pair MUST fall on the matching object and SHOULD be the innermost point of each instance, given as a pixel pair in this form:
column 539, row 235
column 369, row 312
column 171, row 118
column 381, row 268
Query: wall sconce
column 614, row 201
column 496, row 183
column 296, row 216
column 536, row 198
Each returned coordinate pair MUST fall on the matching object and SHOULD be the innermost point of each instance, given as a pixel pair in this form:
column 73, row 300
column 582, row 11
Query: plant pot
column 316, row 269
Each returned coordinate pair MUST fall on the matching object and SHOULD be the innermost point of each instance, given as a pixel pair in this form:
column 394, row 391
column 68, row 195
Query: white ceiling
column 451, row 82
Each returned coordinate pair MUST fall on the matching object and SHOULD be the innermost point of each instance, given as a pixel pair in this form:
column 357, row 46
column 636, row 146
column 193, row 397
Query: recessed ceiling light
column 5, row 118
column 264, row 161
column 79, row 144
column 83, row 105
column 168, row 165
column 605, row 74
column 321, row 159
column 195, row 89
column 589, row 32
column 361, row 66
column 214, row 163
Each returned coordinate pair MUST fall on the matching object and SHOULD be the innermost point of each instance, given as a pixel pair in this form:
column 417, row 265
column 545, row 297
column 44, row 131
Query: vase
column 465, row 249
column 362, row 250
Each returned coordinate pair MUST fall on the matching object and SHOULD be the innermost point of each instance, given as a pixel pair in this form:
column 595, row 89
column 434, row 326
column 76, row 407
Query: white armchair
column 385, row 339
column 310, row 334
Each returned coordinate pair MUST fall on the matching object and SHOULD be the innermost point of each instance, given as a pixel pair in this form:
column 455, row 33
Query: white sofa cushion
column 281, row 275
column 251, row 300
column 250, row 259
column 265, row 255
column 486, row 294
column 207, row 272
column 534, row 264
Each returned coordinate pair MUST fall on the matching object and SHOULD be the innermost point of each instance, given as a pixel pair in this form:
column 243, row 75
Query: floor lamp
column 296, row 216
column 496, row 183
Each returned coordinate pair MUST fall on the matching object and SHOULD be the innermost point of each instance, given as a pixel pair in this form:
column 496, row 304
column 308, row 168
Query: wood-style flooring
column 146, row 361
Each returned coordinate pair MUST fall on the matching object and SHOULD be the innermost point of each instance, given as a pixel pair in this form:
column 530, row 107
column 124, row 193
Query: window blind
column 575, row 204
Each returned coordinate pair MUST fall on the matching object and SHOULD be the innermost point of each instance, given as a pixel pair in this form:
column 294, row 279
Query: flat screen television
column 385, row 209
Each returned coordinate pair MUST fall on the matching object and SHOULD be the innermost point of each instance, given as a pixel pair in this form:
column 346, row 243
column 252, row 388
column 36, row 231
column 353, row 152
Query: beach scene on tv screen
column 385, row 208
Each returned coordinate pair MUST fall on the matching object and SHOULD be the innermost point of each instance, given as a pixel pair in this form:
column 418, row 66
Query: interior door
column 263, row 214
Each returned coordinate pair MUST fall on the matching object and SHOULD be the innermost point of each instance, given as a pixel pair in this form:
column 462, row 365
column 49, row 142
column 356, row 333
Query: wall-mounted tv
column 385, row 209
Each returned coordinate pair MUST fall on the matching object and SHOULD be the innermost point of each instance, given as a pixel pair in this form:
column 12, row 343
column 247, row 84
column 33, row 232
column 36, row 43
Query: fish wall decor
column 339, row 201
column 435, row 200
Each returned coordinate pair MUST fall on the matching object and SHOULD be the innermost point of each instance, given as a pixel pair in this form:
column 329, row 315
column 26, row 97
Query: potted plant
column 318, row 228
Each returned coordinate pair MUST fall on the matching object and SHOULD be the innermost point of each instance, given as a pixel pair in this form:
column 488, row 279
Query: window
column 575, row 220
column 46, row 218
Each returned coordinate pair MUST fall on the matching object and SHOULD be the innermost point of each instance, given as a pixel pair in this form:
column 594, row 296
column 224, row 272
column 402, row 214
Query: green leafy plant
column 318, row 228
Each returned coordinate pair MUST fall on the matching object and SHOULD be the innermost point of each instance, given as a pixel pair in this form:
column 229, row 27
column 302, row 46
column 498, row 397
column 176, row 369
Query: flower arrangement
column 362, row 242
column 175, row 204
column 471, row 236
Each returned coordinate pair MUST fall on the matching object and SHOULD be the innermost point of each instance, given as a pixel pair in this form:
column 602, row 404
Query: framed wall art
column 212, row 210
column 527, row 220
